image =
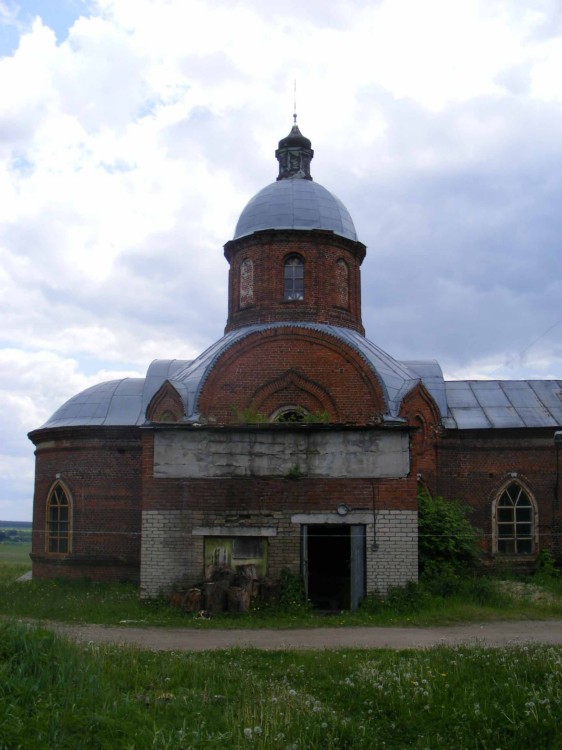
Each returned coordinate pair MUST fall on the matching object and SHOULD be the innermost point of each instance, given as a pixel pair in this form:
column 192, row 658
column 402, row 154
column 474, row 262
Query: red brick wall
column 325, row 301
column 236, row 497
column 473, row 466
column 101, row 469
column 421, row 413
column 291, row 366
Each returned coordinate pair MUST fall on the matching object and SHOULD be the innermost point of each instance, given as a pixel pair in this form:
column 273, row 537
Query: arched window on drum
column 293, row 278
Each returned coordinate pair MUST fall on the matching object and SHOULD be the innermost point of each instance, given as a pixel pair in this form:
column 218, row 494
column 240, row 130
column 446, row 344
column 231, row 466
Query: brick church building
column 293, row 442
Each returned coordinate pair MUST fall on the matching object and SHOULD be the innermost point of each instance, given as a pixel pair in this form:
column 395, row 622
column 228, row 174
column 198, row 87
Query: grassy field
column 54, row 694
column 17, row 554
column 57, row 694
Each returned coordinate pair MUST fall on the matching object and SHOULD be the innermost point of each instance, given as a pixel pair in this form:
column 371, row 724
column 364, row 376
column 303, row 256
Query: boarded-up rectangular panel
column 278, row 453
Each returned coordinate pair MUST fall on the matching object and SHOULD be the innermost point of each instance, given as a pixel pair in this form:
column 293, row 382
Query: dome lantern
column 294, row 155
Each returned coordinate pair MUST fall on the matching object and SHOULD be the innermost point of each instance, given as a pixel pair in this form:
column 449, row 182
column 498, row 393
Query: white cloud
column 131, row 140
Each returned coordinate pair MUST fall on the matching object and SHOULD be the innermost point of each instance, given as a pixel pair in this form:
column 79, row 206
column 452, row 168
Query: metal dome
column 295, row 203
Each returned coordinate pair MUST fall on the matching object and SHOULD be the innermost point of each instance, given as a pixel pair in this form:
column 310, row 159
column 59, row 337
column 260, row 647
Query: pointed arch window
column 59, row 510
column 515, row 521
column 293, row 278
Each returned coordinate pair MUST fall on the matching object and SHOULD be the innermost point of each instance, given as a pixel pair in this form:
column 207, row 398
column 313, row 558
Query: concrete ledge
column 234, row 531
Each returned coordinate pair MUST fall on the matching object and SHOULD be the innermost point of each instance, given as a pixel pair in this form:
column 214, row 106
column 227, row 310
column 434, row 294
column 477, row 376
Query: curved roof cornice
column 124, row 402
column 394, row 378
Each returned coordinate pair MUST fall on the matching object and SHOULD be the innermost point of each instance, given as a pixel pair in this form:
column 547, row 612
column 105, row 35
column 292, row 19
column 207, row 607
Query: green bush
column 447, row 580
column 292, row 596
column 447, row 539
column 441, row 578
column 399, row 599
column 546, row 565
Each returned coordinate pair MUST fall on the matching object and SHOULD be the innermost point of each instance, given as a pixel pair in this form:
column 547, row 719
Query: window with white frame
column 293, row 278
column 58, row 520
column 515, row 521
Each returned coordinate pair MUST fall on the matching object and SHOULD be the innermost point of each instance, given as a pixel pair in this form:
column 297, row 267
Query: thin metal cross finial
column 295, row 101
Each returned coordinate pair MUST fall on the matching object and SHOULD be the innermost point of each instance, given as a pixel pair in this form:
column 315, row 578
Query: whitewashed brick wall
column 168, row 552
column 171, row 554
column 395, row 560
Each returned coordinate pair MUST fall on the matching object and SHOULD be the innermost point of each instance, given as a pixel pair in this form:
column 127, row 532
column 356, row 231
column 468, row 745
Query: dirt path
column 185, row 639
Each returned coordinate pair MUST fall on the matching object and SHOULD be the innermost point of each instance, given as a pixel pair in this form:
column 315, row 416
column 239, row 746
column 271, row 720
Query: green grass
column 114, row 603
column 86, row 601
column 56, row 694
column 15, row 553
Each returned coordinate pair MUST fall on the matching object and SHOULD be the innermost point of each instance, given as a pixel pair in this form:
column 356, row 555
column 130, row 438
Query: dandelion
column 257, row 730
column 324, row 725
column 165, row 697
column 248, row 733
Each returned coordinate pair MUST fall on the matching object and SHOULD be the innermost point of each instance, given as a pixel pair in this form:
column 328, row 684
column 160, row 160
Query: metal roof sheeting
column 463, row 405
column 431, row 376
column 503, row 404
column 295, row 203
column 117, row 402
column 124, row 402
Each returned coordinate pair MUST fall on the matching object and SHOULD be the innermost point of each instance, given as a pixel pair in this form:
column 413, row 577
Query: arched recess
column 246, row 282
column 420, row 435
column 421, row 412
column 341, row 292
column 58, row 536
column 166, row 405
column 515, row 519
column 293, row 390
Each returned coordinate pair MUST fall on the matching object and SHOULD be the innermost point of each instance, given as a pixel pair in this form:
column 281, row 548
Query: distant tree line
column 15, row 536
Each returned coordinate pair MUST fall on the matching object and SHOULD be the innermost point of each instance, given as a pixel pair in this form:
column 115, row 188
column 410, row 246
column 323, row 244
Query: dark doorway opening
column 329, row 566
column 334, row 565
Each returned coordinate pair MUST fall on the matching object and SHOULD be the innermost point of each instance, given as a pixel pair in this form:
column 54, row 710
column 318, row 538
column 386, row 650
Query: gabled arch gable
column 292, row 388
column 337, row 371
column 166, row 405
column 418, row 401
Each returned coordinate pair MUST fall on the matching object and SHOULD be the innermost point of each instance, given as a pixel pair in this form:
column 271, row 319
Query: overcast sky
column 133, row 132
